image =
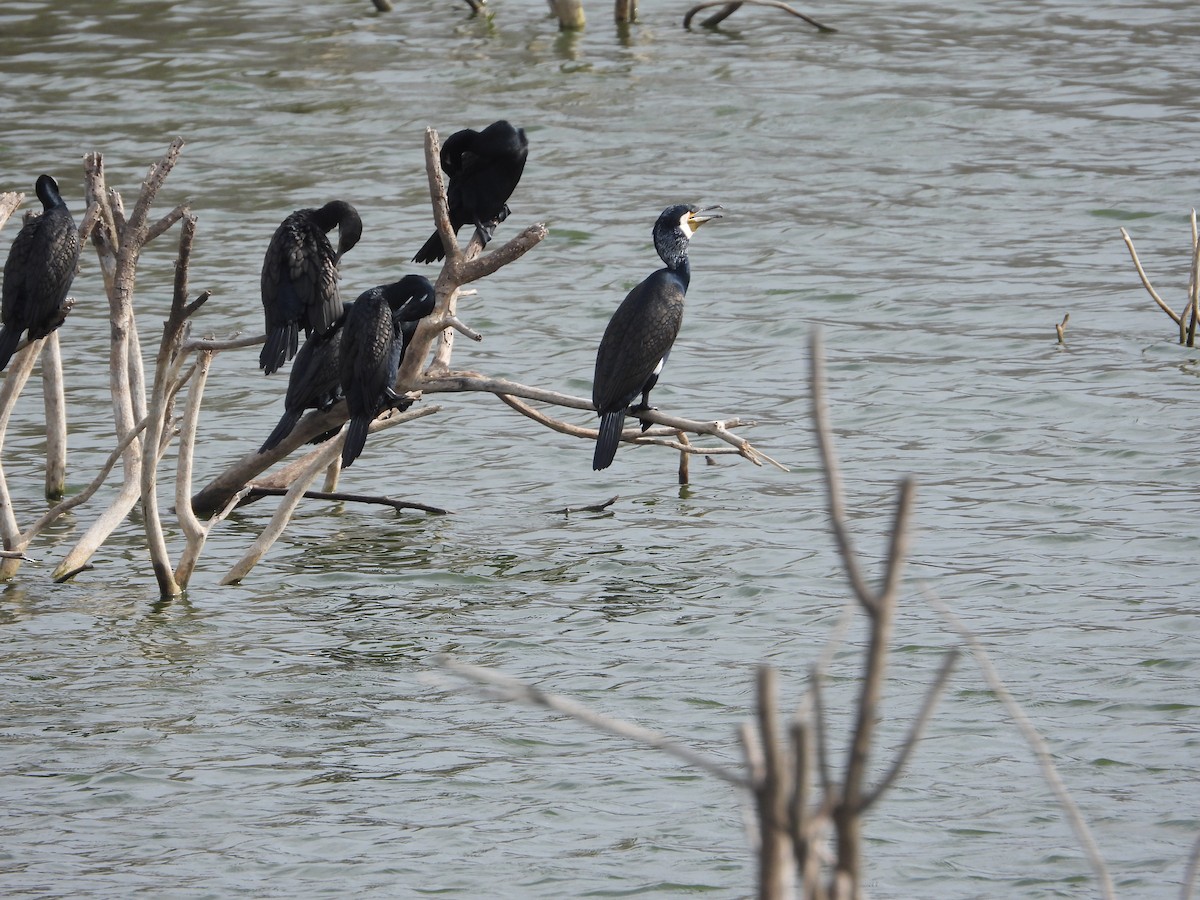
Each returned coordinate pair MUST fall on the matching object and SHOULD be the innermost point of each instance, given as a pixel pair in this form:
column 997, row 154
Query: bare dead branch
column 462, row 328
column 210, row 344
column 833, row 479
column 1193, row 303
column 506, row 390
column 685, row 450
column 898, row 546
column 510, row 251
column 119, row 243
column 54, row 398
column 513, row 689
column 437, row 195
column 730, row 8
column 150, row 187
column 283, row 513
column 254, row 493
column 161, row 400
column 10, row 202
column 817, row 692
column 1192, row 873
column 777, row 866
column 1061, row 328
column 716, row 18
column 595, row 507
column 1162, row 304
column 70, row 503
column 19, row 369
column 916, row 730
column 1040, row 751
column 194, row 531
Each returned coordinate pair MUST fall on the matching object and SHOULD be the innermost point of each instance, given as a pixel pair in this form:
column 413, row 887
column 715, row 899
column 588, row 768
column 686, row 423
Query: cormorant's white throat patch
column 685, row 226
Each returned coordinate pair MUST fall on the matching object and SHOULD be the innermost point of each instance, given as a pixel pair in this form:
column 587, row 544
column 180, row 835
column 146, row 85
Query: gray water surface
column 934, row 187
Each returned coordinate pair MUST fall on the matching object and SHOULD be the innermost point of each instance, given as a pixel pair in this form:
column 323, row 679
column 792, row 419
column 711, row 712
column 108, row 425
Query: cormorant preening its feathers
column 38, row 272
column 378, row 329
column 299, row 278
column 639, row 336
column 484, row 168
column 315, row 381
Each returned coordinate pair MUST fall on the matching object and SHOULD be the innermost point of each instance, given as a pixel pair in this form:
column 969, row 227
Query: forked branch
column 1187, row 320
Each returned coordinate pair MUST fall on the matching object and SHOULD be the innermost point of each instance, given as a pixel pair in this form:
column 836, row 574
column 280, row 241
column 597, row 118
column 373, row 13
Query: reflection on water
column 934, row 187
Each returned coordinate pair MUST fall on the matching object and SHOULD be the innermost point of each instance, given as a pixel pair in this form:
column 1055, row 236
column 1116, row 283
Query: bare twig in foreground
column 513, row 689
column 1040, row 750
column 1193, row 872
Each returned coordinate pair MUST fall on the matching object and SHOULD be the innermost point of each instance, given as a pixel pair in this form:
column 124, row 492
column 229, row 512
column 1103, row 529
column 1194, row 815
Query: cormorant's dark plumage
column 639, row 336
column 378, row 329
column 484, row 168
column 299, row 278
column 315, row 381
column 38, row 272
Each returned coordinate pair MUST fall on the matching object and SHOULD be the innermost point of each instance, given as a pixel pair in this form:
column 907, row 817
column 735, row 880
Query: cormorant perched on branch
column 378, row 329
column 315, row 381
column 484, row 168
column 299, row 278
column 639, row 336
column 38, row 272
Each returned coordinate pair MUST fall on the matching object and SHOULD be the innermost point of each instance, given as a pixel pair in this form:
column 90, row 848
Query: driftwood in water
column 727, row 9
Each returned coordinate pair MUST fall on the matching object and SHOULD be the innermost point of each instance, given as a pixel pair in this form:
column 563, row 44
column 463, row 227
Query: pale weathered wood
column 54, row 397
column 569, row 13
column 119, row 242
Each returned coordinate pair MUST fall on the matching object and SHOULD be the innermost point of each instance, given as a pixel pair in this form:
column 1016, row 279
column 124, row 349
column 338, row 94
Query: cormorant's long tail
column 431, row 251
column 281, row 345
column 356, row 439
column 611, row 426
column 282, row 430
column 9, row 338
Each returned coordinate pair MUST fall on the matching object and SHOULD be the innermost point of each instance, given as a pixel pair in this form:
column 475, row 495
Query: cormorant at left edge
column 38, row 272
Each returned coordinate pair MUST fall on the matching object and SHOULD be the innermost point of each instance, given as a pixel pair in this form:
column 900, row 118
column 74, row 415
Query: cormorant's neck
column 334, row 214
column 672, row 249
column 682, row 269
column 47, row 192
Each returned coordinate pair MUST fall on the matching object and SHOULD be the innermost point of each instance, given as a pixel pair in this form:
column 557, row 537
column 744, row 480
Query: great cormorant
column 484, row 168
column 299, row 278
column 315, row 381
column 38, row 272
column 378, row 330
column 639, row 336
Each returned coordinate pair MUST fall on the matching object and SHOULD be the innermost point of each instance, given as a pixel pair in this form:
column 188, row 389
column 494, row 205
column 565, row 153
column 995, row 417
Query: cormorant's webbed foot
column 397, row 401
column 641, row 408
column 487, row 230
